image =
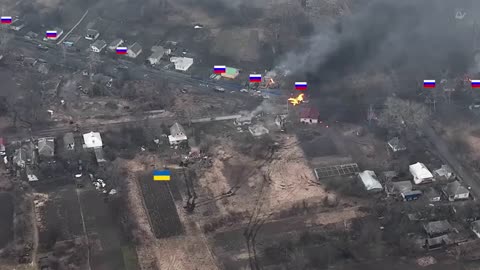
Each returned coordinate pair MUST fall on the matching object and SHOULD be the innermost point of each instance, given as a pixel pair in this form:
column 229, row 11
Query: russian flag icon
column 219, row 69
column 51, row 34
column 122, row 50
column 475, row 83
column 428, row 83
column 255, row 78
column 6, row 19
column 301, row 86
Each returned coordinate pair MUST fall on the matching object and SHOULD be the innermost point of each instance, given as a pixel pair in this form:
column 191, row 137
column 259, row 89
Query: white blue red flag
column 121, row 50
column 475, row 83
column 428, row 83
column 219, row 69
column 51, row 34
column 6, row 19
column 255, row 78
column 301, row 86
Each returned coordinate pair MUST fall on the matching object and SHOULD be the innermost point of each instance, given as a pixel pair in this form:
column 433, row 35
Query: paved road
column 450, row 158
column 78, row 61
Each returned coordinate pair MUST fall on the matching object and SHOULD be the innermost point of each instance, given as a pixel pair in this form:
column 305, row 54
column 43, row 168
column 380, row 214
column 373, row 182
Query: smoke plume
column 420, row 36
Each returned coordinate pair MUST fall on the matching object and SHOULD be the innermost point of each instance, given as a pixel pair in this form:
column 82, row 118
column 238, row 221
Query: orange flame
column 297, row 100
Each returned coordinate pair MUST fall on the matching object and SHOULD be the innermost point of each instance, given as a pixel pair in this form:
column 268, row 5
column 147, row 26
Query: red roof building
column 309, row 116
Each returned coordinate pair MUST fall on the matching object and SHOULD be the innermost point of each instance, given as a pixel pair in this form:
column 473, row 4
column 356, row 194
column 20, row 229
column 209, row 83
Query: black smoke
column 415, row 37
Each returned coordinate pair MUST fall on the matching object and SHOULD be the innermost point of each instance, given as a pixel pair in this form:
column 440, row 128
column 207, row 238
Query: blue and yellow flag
column 161, row 175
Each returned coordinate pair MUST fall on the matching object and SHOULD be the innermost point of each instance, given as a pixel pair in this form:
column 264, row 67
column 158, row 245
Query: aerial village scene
column 239, row 134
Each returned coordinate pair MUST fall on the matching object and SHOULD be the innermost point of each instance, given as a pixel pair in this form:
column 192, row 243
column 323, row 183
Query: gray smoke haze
column 419, row 36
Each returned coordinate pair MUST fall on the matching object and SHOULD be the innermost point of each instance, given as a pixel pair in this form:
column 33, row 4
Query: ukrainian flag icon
column 161, row 175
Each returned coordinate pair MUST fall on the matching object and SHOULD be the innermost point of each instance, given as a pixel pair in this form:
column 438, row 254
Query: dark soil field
column 159, row 197
column 6, row 222
column 105, row 235
column 61, row 217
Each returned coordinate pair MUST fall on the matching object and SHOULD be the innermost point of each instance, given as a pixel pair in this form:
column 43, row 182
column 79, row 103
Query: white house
column 92, row 140
column 420, row 173
column 134, row 50
column 370, row 181
column 177, row 134
column 98, row 46
column 182, row 63
column 456, row 191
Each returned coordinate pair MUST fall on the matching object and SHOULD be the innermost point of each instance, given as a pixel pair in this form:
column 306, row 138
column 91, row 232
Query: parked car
column 42, row 47
column 219, row 89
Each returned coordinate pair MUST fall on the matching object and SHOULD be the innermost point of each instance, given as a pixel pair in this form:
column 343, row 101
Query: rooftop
column 419, row 170
column 135, row 48
column 402, row 186
column 455, row 188
column 117, row 42
column 369, row 180
column 437, row 227
column 92, row 32
column 311, row 113
column 177, row 130
column 46, row 146
column 92, row 140
column 396, row 145
column 99, row 44
column 231, row 71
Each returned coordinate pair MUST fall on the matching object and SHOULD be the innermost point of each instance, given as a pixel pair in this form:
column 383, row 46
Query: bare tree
column 403, row 115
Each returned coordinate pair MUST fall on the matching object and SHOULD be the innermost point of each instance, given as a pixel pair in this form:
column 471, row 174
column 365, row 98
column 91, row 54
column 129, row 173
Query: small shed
column 370, row 181
column 99, row 156
column 438, row 242
column 437, row 228
column 92, row 34
column 396, row 145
